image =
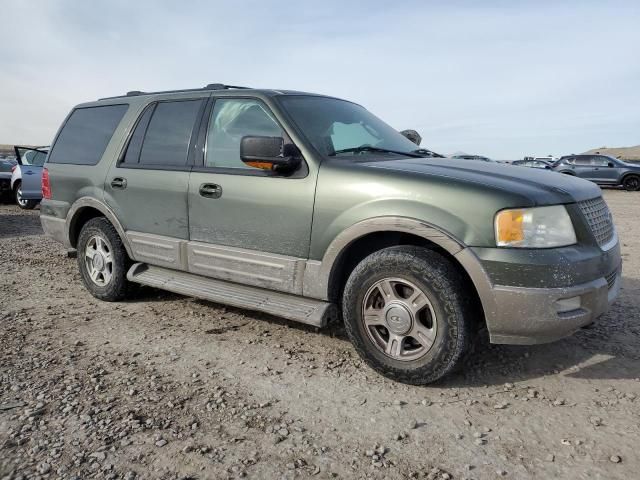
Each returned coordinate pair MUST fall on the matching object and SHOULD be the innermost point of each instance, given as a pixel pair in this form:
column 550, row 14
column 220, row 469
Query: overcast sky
column 505, row 79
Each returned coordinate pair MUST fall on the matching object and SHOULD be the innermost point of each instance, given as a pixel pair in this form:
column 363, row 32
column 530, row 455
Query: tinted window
column 232, row 119
column 582, row 161
column 38, row 159
column 135, row 144
column 169, row 133
column 85, row 135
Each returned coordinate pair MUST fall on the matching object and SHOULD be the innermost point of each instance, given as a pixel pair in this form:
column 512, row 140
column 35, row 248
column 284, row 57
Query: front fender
column 318, row 274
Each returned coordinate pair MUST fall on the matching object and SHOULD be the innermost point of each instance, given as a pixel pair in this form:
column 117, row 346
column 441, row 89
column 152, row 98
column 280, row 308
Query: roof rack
column 210, row 86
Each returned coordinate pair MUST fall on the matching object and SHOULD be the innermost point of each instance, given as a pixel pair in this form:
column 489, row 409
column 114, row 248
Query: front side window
column 86, row 134
column 231, row 119
column 600, row 161
column 167, row 138
column 332, row 125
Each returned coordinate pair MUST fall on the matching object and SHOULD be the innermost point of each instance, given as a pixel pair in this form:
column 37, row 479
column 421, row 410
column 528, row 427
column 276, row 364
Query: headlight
column 540, row 227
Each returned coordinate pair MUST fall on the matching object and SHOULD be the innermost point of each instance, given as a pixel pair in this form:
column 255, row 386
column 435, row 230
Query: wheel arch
column 83, row 210
column 326, row 279
column 629, row 174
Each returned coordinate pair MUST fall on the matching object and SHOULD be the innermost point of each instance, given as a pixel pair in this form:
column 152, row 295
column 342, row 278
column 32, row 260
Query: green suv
column 310, row 208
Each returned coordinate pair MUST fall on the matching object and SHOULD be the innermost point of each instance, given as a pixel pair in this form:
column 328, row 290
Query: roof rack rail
column 222, row 86
column 210, row 86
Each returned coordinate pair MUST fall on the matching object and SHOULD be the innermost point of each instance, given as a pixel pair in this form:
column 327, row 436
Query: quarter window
column 86, row 134
column 168, row 134
column 231, row 119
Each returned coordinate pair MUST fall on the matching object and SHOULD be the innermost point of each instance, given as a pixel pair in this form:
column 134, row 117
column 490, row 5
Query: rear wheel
column 631, row 183
column 21, row 201
column 103, row 260
column 406, row 313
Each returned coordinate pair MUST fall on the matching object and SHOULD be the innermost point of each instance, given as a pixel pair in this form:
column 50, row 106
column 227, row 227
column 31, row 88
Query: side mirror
column 611, row 164
column 269, row 153
column 412, row 135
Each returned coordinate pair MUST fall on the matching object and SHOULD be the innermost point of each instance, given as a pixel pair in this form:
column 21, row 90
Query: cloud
column 499, row 78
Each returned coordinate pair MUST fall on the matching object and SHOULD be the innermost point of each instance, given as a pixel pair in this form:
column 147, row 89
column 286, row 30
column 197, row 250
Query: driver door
column 247, row 225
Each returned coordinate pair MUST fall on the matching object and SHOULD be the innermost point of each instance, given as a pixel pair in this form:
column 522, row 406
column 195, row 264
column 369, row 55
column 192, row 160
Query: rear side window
column 132, row 156
column 86, row 134
column 167, row 138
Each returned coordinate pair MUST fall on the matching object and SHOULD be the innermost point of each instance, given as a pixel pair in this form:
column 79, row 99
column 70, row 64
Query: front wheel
column 631, row 183
column 407, row 314
column 23, row 202
column 103, row 260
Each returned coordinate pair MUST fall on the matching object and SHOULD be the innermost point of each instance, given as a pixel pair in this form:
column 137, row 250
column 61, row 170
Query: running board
column 292, row 307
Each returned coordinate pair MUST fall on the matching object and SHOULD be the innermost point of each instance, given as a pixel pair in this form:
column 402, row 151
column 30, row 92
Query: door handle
column 119, row 182
column 210, row 190
column 29, row 172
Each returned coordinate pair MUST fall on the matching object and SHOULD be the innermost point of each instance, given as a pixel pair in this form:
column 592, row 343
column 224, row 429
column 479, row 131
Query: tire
column 442, row 326
column 22, row 203
column 631, row 183
column 110, row 283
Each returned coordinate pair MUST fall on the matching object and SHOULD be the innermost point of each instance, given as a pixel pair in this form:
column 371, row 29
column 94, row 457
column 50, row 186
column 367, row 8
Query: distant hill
column 6, row 149
column 625, row 153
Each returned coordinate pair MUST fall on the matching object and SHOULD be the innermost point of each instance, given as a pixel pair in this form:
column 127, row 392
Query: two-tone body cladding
column 311, row 208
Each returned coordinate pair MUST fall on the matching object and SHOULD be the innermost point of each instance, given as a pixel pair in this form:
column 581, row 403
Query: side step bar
column 292, row 307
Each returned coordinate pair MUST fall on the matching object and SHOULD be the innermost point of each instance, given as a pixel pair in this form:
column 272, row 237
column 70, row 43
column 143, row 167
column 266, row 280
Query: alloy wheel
column 99, row 260
column 399, row 319
column 21, row 201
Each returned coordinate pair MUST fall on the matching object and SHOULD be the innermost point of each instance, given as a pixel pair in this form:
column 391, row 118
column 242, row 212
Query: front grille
column 611, row 278
column 599, row 218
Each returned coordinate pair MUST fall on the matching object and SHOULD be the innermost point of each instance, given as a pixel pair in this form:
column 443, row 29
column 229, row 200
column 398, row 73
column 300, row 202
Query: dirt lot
column 164, row 386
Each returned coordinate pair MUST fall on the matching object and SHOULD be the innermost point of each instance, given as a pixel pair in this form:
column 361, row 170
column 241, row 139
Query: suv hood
column 542, row 187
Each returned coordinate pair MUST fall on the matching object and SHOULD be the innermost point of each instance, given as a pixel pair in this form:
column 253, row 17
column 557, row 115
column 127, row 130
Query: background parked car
column 533, row 163
column 26, row 178
column 601, row 169
column 6, row 165
column 473, row 157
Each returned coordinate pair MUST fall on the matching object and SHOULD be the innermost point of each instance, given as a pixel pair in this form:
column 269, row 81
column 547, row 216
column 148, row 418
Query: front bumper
column 532, row 307
column 532, row 315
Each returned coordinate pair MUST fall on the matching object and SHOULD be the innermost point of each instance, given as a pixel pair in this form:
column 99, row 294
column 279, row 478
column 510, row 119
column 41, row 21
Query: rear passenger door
column 147, row 187
column 583, row 168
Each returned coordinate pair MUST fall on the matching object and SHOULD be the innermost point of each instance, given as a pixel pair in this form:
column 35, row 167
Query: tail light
column 46, row 186
column 13, row 169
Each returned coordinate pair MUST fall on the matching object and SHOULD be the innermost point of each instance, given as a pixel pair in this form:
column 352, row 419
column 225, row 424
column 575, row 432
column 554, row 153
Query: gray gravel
column 164, row 386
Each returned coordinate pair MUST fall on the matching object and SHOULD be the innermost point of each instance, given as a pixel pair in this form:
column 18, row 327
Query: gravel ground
column 164, row 386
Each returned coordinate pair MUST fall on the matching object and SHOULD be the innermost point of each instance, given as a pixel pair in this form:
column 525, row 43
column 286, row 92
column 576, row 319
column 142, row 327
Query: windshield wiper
column 369, row 148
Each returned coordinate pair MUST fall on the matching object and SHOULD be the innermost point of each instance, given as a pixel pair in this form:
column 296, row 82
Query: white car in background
column 26, row 176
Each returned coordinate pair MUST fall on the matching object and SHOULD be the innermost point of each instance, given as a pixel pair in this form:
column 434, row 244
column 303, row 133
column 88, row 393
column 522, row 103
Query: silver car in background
column 26, row 177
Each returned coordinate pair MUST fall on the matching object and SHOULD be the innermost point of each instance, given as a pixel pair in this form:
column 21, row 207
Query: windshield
column 338, row 127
